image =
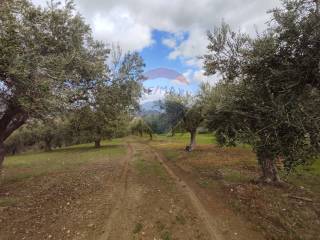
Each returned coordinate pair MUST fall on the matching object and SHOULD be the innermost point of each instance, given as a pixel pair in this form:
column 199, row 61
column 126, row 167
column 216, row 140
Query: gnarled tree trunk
column 11, row 120
column 47, row 144
column 269, row 171
column 267, row 161
column 2, row 154
column 192, row 140
column 97, row 143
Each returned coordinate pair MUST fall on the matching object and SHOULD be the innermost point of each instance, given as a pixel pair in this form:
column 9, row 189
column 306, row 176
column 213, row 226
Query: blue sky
column 157, row 56
column 170, row 34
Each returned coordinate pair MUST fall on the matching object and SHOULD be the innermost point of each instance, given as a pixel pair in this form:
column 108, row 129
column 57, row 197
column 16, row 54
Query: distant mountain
column 152, row 107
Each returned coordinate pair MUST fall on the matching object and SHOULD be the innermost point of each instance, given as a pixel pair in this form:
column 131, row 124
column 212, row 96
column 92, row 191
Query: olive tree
column 186, row 113
column 112, row 99
column 140, row 126
column 269, row 94
column 48, row 60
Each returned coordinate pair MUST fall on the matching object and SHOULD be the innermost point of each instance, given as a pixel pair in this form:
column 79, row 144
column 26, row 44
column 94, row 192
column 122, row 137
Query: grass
column 237, row 164
column 227, row 172
column 166, row 236
column 181, row 219
column 307, row 176
column 205, row 138
column 28, row 165
column 150, row 168
column 137, row 228
column 8, row 201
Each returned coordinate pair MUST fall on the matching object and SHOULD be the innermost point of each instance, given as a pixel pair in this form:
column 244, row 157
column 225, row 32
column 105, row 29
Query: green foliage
column 41, row 134
column 113, row 100
column 269, row 95
column 185, row 114
column 175, row 107
column 48, row 60
column 140, row 126
column 138, row 227
column 157, row 122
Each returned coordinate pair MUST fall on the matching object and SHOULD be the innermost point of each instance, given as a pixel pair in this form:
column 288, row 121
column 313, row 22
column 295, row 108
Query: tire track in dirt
column 220, row 221
column 207, row 219
column 119, row 196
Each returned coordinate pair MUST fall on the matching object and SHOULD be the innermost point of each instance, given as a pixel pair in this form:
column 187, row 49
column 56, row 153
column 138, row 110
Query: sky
column 170, row 34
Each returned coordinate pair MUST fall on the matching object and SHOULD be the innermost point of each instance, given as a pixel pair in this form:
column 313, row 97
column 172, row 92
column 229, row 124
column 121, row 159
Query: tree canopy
column 269, row 93
column 184, row 114
column 48, row 59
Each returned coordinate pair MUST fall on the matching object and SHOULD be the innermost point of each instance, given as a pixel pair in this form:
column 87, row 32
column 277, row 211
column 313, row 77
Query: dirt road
column 143, row 199
column 138, row 196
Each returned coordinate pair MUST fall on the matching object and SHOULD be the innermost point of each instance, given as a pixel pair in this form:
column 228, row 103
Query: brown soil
column 222, row 180
column 139, row 196
column 217, row 217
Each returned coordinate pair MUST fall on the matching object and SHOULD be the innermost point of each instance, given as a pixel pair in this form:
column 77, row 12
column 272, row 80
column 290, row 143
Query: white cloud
column 200, row 77
column 169, row 42
column 119, row 26
column 130, row 22
column 191, row 48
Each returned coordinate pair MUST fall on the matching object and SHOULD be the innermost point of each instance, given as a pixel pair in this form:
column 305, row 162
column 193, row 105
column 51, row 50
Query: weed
column 181, row 219
column 203, row 183
column 150, row 168
column 166, row 236
column 138, row 227
column 8, row 201
column 160, row 226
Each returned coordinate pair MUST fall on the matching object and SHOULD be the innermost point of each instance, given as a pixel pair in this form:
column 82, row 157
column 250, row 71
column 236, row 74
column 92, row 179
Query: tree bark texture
column 97, row 143
column 192, row 140
column 11, row 120
column 269, row 171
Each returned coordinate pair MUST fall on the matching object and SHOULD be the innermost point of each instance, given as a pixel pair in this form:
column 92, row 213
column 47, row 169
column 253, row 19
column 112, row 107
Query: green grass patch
column 8, row 201
column 206, row 138
column 29, row 165
column 137, row 228
column 204, row 183
column 235, row 176
column 166, row 235
column 150, row 168
column 171, row 154
column 181, row 219
column 306, row 176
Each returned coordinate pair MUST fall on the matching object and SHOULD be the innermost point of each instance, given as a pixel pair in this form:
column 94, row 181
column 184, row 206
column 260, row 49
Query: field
column 134, row 188
column 280, row 213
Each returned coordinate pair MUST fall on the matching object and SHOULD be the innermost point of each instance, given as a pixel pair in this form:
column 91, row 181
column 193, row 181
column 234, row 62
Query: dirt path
column 141, row 199
column 138, row 196
column 119, row 196
column 207, row 219
column 147, row 203
column 220, row 221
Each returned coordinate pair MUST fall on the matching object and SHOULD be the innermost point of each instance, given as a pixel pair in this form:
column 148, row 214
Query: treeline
column 268, row 95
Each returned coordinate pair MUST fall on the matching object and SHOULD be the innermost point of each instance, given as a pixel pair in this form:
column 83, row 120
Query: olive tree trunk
column 11, row 120
column 47, row 145
column 269, row 171
column 97, row 143
column 2, row 154
column 192, row 140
